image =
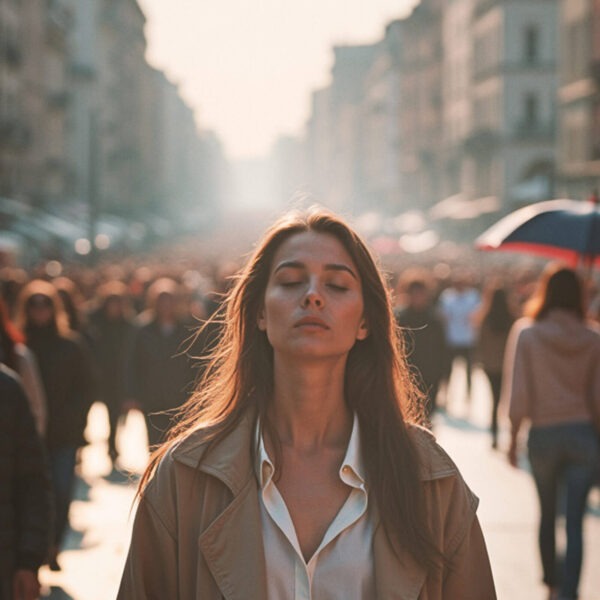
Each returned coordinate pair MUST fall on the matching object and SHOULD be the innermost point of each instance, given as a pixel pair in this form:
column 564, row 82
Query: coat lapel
column 232, row 545
column 233, row 549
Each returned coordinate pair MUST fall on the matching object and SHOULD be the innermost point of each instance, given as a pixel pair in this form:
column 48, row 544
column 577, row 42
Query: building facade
column 578, row 149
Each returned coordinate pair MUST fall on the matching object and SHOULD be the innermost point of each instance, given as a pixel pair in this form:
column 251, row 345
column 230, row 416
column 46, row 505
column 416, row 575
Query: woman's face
column 313, row 304
column 40, row 310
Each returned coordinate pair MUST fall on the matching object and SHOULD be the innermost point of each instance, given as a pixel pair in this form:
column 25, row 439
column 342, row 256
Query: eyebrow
column 296, row 264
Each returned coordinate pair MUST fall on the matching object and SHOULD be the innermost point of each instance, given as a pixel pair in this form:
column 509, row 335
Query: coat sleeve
column 470, row 575
column 151, row 568
column 150, row 571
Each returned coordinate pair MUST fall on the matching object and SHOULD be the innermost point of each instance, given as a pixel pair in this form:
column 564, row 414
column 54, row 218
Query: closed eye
column 289, row 284
column 337, row 288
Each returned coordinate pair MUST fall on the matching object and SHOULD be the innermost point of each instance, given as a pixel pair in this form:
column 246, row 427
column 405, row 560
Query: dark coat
column 425, row 342
column 66, row 369
column 25, row 500
column 161, row 372
column 111, row 341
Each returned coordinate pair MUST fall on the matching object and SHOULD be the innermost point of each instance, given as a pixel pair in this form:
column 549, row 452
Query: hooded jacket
column 552, row 370
column 197, row 531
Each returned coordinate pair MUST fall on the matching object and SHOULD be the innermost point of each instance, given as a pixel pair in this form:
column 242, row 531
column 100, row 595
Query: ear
column 363, row 330
column 260, row 319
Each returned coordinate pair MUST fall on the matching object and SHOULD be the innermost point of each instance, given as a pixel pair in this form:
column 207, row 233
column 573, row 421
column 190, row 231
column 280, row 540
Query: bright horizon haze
column 248, row 69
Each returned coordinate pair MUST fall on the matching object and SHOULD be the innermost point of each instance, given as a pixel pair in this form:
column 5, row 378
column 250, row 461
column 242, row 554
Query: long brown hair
column 378, row 386
column 558, row 287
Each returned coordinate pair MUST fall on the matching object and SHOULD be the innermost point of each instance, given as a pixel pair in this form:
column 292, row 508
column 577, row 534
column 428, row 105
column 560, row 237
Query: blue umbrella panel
column 566, row 230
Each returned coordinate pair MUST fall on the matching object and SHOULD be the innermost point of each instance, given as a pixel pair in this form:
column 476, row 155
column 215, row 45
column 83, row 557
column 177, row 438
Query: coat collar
column 239, row 569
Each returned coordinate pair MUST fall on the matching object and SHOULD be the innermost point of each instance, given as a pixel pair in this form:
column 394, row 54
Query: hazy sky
column 248, row 67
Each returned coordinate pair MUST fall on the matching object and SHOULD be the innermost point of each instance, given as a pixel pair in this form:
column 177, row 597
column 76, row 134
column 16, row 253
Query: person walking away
column 111, row 332
column 293, row 470
column 458, row 304
column 552, row 381
column 161, row 374
column 424, row 336
column 25, row 499
column 66, row 371
column 494, row 320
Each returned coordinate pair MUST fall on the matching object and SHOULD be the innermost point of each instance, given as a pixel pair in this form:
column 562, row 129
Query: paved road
column 96, row 548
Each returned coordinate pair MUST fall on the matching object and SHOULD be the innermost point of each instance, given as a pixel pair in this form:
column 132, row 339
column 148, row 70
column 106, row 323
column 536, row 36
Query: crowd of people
column 128, row 335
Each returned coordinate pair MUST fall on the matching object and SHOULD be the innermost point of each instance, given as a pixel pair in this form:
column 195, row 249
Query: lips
column 311, row 322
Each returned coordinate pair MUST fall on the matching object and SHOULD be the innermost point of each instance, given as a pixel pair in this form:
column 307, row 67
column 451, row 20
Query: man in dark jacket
column 25, row 497
column 424, row 338
column 161, row 374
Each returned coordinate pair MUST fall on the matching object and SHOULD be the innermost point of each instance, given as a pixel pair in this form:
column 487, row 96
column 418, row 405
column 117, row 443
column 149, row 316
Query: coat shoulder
column 433, row 459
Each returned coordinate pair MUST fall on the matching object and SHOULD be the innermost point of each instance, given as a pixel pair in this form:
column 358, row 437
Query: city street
column 101, row 518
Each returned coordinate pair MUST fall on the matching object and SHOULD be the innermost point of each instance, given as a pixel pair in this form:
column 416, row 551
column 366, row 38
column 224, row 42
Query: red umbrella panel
column 566, row 230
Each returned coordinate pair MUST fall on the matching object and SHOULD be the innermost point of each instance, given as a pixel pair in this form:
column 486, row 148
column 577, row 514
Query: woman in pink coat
column 553, row 383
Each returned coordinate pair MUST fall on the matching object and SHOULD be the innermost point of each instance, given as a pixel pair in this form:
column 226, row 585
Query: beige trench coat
column 197, row 531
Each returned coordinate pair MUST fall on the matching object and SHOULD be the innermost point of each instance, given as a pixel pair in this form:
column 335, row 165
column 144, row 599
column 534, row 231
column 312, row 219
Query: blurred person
column 553, row 382
column 296, row 469
column 458, row 304
column 111, row 332
column 424, row 335
column 160, row 372
column 66, row 371
column 494, row 319
column 25, row 499
column 18, row 357
column 72, row 303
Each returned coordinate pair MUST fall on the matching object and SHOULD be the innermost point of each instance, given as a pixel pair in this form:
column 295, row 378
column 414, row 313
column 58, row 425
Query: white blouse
column 342, row 566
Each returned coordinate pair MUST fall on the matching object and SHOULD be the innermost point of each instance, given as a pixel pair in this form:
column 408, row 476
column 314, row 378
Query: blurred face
column 165, row 307
column 313, row 305
column 114, row 308
column 40, row 310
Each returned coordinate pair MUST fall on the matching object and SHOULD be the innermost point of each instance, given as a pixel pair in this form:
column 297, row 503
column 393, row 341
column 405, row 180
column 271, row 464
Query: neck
column 309, row 410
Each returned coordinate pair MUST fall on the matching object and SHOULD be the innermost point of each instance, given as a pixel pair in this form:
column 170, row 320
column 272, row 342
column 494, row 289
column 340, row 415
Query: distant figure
column 161, row 374
column 111, row 333
column 18, row 357
column 553, row 381
column 25, row 503
column 66, row 370
column 495, row 318
column 458, row 304
column 424, row 336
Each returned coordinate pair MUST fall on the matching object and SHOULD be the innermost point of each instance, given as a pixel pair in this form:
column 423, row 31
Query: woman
column 553, row 381
column 66, row 373
column 294, row 472
column 495, row 320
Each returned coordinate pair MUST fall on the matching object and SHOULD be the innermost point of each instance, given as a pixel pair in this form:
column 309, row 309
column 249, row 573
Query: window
column 532, row 44
column 531, row 110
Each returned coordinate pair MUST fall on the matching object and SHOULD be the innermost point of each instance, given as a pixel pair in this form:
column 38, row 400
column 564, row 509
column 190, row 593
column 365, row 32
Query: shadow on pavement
column 459, row 423
column 120, row 477
column 57, row 593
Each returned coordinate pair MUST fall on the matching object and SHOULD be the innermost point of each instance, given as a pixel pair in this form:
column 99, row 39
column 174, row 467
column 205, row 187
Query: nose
column 312, row 297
